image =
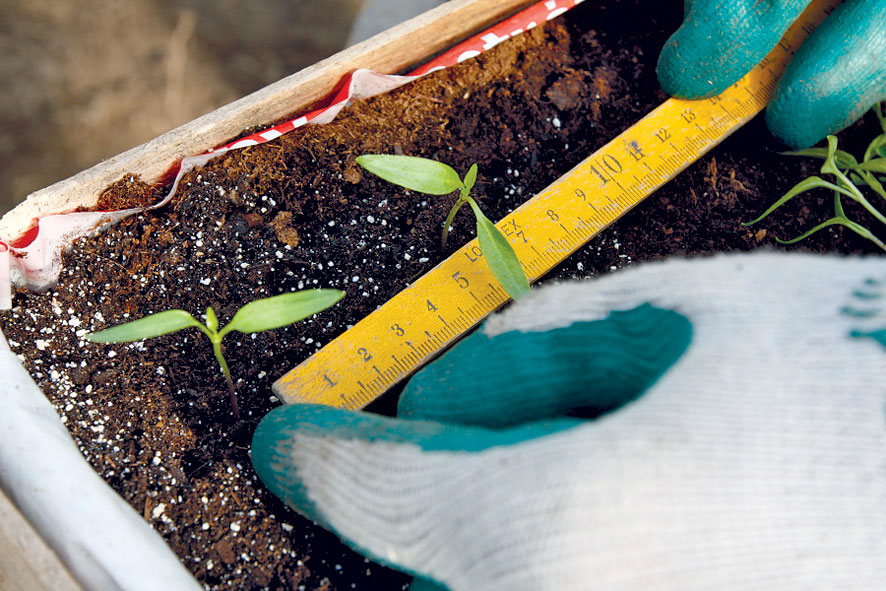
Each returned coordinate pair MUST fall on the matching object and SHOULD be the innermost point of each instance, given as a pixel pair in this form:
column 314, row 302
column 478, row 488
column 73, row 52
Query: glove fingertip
column 719, row 42
column 836, row 76
column 683, row 76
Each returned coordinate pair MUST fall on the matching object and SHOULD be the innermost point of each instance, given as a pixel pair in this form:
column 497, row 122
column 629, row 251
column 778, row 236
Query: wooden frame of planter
column 26, row 562
column 393, row 51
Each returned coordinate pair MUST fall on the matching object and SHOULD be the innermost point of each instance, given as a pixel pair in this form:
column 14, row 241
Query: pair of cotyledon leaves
column 435, row 178
column 260, row 315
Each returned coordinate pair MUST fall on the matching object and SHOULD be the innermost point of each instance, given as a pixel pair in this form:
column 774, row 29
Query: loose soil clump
column 153, row 418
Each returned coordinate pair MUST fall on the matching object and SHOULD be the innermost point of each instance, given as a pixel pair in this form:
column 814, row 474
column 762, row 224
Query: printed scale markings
column 450, row 299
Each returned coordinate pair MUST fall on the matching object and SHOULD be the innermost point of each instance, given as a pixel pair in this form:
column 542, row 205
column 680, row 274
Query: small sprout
column 849, row 175
column 435, row 178
column 260, row 315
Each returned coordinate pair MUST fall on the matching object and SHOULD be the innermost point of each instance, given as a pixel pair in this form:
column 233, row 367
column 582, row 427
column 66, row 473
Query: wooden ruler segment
column 453, row 297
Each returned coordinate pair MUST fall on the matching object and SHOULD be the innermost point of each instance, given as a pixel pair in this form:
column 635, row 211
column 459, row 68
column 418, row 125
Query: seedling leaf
column 838, row 221
column 211, row 319
column 414, row 173
column 873, row 165
column 864, row 233
column 843, row 159
column 500, row 256
column 830, row 163
column 154, row 325
column 471, row 177
column 801, row 187
column 876, row 185
column 808, row 233
column 281, row 310
column 877, row 147
column 868, row 180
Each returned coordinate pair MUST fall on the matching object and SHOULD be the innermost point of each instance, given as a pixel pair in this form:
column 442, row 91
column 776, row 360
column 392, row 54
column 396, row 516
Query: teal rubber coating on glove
column 272, row 439
column 275, row 440
column 586, row 369
column 423, row 584
column 834, row 78
column 720, row 41
column 877, row 335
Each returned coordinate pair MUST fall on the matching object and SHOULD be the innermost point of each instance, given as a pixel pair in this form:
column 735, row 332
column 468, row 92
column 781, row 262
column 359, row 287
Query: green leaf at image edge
column 873, row 165
column 416, row 174
column 500, row 256
column 154, row 325
column 281, row 310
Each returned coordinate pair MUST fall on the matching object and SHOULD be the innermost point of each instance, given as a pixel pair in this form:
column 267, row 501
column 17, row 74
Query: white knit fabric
column 758, row 462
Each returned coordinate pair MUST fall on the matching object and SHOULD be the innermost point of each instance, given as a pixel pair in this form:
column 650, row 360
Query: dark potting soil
column 153, row 418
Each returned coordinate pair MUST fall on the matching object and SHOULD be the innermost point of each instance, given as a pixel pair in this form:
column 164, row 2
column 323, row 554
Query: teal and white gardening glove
column 742, row 444
column 834, row 78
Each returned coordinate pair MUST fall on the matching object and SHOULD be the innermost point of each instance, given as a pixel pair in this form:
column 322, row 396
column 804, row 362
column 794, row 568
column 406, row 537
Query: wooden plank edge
column 391, row 51
column 26, row 562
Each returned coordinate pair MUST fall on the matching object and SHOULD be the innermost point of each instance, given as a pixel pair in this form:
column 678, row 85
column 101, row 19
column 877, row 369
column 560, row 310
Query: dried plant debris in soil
column 153, row 418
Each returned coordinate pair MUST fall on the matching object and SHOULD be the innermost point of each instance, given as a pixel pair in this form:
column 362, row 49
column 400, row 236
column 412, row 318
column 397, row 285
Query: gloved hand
column 757, row 461
column 834, row 78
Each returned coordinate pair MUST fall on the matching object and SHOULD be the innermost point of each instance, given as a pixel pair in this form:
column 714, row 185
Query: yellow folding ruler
column 423, row 319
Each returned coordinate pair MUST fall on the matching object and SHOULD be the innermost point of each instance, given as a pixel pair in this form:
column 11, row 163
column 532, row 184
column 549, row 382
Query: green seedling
column 260, row 315
column 435, row 178
column 849, row 174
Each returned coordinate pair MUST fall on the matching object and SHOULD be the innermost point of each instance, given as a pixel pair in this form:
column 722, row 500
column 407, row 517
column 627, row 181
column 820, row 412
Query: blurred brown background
column 87, row 79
